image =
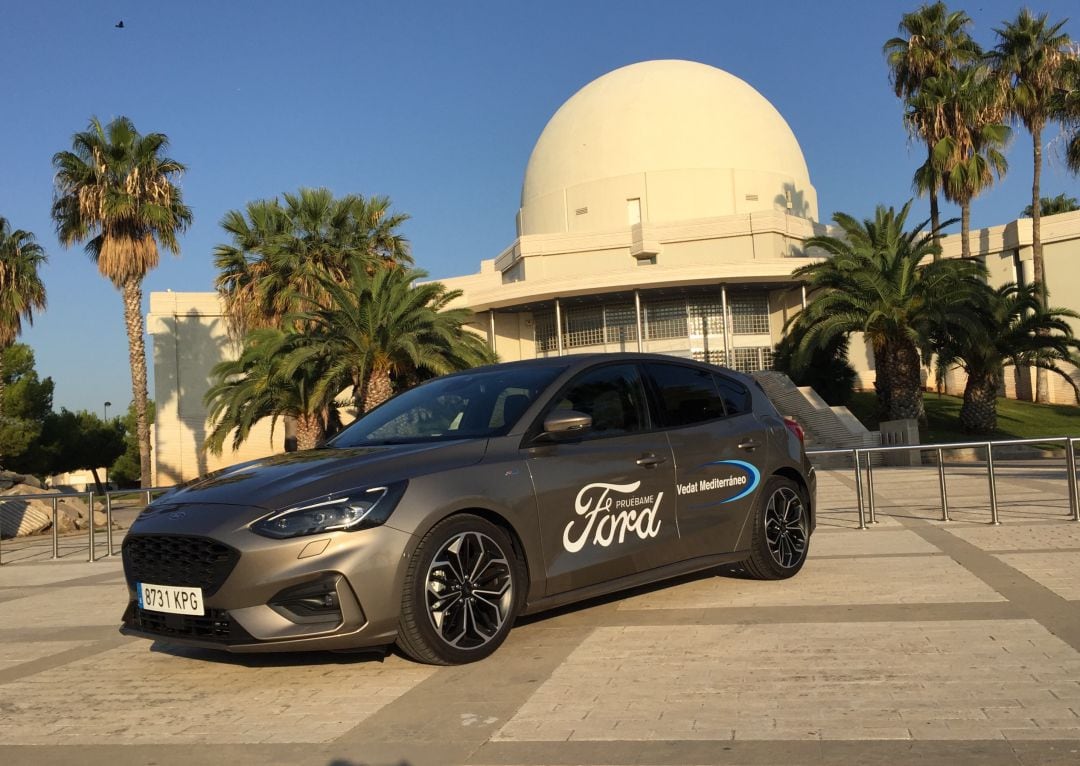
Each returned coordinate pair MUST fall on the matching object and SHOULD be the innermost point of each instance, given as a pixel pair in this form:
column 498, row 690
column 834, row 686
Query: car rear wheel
column 781, row 536
column 462, row 592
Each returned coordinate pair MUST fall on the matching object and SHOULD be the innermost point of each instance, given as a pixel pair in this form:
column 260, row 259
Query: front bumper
column 255, row 607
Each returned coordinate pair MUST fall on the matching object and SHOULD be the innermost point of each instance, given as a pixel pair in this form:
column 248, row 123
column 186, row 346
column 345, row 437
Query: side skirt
column 635, row 580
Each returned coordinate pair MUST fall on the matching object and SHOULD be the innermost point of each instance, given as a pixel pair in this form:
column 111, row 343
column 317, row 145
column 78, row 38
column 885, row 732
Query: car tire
column 781, row 533
column 462, row 592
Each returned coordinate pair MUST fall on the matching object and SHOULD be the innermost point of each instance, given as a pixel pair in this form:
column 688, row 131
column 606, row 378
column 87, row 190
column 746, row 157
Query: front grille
column 196, row 562
column 216, row 625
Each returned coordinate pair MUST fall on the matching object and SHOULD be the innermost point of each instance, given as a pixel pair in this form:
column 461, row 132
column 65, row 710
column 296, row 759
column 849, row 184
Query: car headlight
column 357, row 509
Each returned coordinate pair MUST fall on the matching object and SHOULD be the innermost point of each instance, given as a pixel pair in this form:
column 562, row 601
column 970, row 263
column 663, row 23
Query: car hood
column 280, row 481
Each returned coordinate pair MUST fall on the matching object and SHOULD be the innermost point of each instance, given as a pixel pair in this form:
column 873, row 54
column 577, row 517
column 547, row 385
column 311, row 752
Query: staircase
column 826, row 427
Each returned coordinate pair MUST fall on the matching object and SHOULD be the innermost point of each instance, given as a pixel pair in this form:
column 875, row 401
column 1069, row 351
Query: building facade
column 663, row 209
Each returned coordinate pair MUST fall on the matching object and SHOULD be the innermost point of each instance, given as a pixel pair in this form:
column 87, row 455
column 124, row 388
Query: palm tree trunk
column 132, row 292
column 378, row 388
column 290, row 433
column 1042, row 377
column 906, row 400
column 965, row 229
column 309, row 431
column 978, row 415
column 883, row 381
column 935, row 214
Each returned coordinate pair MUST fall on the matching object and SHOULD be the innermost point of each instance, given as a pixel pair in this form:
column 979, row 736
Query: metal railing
column 866, row 505
column 57, row 497
column 861, row 459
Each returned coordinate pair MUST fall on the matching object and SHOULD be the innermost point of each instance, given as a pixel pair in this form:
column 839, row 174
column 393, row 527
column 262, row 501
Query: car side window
column 612, row 395
column 687, row 395
column 736, row 396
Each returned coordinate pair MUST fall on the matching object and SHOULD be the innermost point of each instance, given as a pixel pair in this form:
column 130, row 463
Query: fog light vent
column 313, row 602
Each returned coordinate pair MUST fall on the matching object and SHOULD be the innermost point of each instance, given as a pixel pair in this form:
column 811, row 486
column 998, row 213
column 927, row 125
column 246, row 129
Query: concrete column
column 558, row 326
column 728, row 361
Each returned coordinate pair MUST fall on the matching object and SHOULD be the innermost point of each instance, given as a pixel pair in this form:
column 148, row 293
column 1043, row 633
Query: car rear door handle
column 650, row 460
column 749, row 444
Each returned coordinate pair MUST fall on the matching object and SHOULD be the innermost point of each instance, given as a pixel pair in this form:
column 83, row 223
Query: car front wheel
column 461, row 594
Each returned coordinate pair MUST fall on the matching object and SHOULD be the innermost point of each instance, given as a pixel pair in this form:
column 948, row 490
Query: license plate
column 170, row 599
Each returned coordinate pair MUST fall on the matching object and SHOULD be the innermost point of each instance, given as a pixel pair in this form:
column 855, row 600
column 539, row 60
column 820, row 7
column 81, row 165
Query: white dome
column 686, row 139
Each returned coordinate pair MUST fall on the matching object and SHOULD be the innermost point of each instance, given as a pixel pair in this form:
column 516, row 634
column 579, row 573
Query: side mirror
column 566, row 423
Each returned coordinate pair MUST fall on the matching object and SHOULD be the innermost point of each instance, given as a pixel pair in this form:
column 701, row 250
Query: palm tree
column 280, row 251
column 1013, row 328
column 933, row 42
column 21, row 289
column 1067, row 109
column 1054, row 205
column 380, row 327
column 969, row 155
column 116, row 192
column 876, row 281
column 253, row 387
column 1029, row 58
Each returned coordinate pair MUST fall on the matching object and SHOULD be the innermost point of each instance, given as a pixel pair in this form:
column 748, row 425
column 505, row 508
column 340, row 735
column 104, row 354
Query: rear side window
column 687, row 395
column 736, row 396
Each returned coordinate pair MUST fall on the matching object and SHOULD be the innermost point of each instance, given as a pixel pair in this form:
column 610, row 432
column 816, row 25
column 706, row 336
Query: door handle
column 749, row 444
column 650, row 460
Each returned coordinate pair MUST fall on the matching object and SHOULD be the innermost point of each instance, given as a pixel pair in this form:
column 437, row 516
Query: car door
column 605, row 498
column 717, row 443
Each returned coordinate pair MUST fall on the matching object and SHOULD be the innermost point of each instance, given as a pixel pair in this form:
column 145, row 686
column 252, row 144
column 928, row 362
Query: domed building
column 662, row 209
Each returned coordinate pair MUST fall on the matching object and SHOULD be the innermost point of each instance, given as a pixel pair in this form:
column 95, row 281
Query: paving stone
column 855, row 681
column 901, row 580
column 170, row 698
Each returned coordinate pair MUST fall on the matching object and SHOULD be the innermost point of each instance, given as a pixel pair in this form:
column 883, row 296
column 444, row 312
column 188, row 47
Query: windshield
column 465, row 406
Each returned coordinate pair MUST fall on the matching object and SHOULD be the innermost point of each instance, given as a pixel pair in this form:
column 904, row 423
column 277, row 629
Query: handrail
column 89, row 495
column 857, row 453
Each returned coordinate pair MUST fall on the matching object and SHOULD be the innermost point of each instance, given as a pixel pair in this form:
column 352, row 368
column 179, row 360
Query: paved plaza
column 914, row 641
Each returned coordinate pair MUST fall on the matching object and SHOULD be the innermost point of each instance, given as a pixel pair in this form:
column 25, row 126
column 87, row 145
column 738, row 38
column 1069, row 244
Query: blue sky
column 435, row 104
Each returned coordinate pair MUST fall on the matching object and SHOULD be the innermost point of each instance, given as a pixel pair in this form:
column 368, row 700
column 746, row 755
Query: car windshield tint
column 456, row 407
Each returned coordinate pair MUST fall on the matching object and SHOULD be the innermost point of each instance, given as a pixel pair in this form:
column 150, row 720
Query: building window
column 710, row 357
column 633, row 211
column 706, row 317
column 749, row 314
column 584, row 327
column 752, row 359
column 545, row 332
column 620, row 323
column 665, row 319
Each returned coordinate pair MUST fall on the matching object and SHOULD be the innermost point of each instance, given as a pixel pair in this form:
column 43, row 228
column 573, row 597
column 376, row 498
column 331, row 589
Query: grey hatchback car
column 436, row 519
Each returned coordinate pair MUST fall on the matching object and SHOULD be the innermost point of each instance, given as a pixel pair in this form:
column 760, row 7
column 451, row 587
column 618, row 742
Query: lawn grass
column 1016, row 420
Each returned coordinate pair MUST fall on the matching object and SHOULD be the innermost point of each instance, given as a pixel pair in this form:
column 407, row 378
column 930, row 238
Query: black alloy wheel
column 462, row 592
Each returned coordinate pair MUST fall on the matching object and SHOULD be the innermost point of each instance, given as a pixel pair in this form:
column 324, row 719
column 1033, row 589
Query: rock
column 24, row 517
column 9, row 479
column 30, row 516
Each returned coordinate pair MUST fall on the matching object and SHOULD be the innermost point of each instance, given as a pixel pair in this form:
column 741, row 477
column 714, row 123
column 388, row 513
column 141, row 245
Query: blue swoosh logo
column 755, row 477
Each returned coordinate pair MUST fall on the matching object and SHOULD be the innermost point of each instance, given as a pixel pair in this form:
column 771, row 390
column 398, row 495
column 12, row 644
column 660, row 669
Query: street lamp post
column 107, row 406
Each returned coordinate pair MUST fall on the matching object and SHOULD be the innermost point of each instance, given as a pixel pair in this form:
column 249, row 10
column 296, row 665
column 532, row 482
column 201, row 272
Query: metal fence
column 56, row 497
column 862, row 462
column 860, row 456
